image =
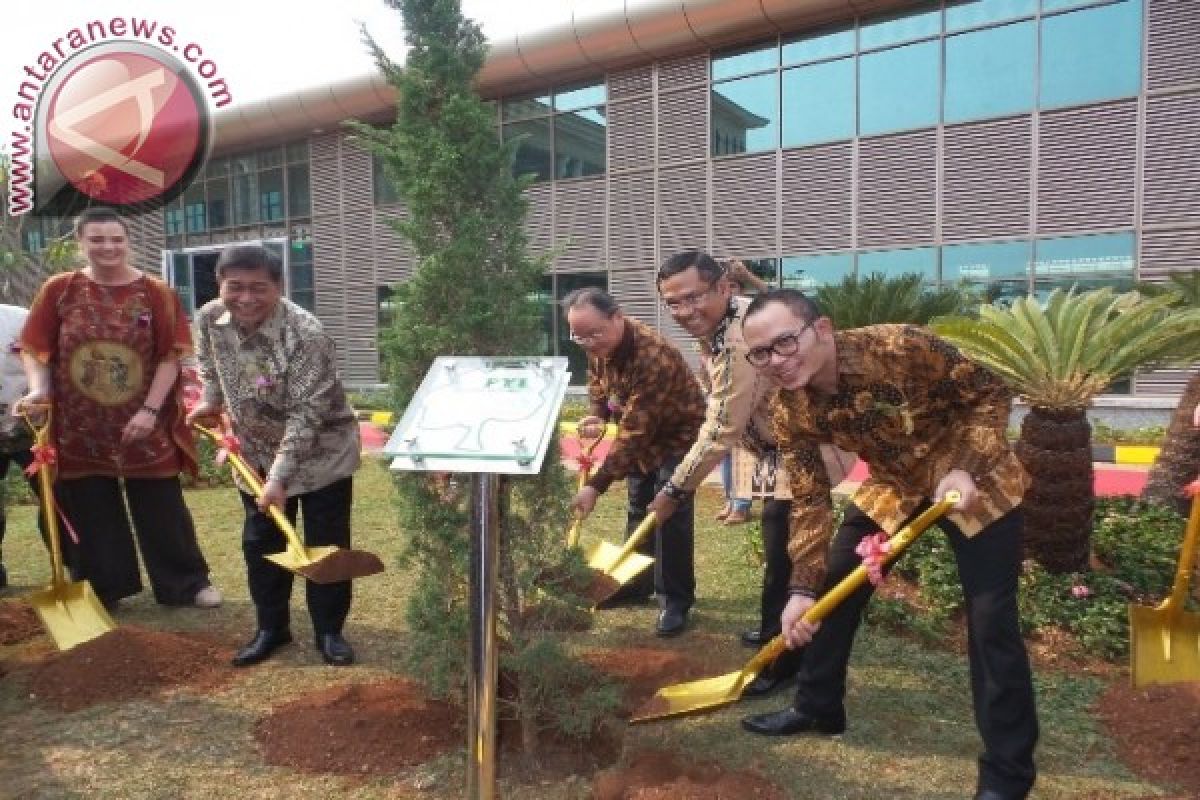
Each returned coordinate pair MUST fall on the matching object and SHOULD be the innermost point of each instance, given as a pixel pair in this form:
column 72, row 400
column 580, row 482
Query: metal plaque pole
column 481, row 681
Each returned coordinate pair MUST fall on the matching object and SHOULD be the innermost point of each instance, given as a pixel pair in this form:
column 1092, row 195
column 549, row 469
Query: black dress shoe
column 756, row 638
column 335, row 650
column 789, row 721
column 261, row 647
column 671, row 622
column 994, row 794
column 765, row 683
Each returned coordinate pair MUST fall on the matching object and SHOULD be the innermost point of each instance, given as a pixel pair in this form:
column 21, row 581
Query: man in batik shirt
column 927, row 421
column 641, row 381
column 272, row 368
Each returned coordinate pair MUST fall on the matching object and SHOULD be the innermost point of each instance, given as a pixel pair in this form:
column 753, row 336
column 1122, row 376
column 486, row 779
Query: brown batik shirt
column 914, row 409
column 648, row 388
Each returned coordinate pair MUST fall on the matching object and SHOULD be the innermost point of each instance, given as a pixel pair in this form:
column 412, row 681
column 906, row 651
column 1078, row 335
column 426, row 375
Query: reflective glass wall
column 561, row 134
column 936, row 63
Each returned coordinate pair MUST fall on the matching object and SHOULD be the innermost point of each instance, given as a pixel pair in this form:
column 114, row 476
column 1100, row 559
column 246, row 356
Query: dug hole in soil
column 127, row 663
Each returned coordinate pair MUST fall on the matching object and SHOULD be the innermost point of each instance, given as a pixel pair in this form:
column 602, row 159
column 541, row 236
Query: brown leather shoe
column 737, row 518
column 723, row 513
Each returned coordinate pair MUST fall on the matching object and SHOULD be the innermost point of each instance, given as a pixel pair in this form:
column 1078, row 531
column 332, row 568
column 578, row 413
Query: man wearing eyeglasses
column 641, row 381
column 699, row 294
column 926, row 420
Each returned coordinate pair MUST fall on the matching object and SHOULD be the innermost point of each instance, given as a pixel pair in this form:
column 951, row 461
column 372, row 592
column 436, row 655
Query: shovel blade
column 606, row 558
column 71, row 613
column 700, row 695
column 1164, row 646
column 329, row 564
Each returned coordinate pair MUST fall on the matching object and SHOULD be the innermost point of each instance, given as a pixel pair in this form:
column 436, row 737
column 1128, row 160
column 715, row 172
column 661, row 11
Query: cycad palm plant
column 877, row 299
column 1059, row 358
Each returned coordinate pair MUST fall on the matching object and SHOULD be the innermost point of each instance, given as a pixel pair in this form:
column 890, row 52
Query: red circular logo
column 125, row 127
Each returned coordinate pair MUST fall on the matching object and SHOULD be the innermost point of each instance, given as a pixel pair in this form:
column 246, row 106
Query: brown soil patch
column 342, row 565
column 1156, row 730
column 18, row 622
column 645, row 670
column 601, row 588
column 126, row 663
column 657, row 775
column 377, row 728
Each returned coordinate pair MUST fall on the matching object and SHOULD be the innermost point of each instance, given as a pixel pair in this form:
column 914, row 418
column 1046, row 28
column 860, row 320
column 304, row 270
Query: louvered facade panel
column 817, row 192
column 325, row 182
column 579, row 208
column 634, row 291
column 394, row 259
column 1161, row 382
column 329, row 278
column 324, row 146
column 680, row 338
column 897, row 189
column 631, row 134
column 682, row 209
column 631, row 221
column 682, row 71
column 359, row 350
column 1167, row 251
column 1173, row 43
column 745, row 220
column 986, row 171
column 630, row 82
column 147, row 233
column 539, row 218
column 1171, row 166
column 1087, row 161
column 356, row 176
column 683, row 125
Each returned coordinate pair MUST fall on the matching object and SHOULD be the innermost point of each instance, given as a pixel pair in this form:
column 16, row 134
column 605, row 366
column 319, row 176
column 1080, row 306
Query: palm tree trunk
column 1055, row 448
column 1178, row 461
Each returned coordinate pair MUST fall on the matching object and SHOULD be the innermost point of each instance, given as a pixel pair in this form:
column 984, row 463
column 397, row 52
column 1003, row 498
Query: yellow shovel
column 327, row 564
column 70, row 610
column 706, row 693
column 587, row 446
column 616, row 566
column 1164, row 642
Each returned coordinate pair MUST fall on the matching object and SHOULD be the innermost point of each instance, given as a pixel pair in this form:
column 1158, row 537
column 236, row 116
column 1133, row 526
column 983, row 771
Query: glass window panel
column 533, row 153
column 526, row 107
column 244, row 165
column 218, row 203
column 1000, row 269
column 1091, row 55
column 193, row 209
column 571, row 98
column 894, row 263
column 1085, row 255
column 173, row 220
column 297, row 151
column 819, row 46
column 898, row 88
column 216, row 167
column 765, row 268
column 270, row 157
column 382, row 187
column 1058, row 5
column 564, row 285
column 181, row 279
column 807, row 273
column 34, row 241
column 245, row 199
column 743, row 62
column 745, row 115
column 972, row 13
column 818, row 103
column 299, row 200
column 904, row 26
column 989, row 73
column 579, row 140
column 270, row 195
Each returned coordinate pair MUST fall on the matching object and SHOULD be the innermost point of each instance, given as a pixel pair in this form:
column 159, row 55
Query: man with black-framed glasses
column 642, row 382
column 926, row 420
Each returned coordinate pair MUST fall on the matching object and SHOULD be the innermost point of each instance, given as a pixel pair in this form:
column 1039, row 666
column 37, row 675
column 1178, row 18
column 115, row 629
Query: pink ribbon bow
column 873, row 550
column 44, row 455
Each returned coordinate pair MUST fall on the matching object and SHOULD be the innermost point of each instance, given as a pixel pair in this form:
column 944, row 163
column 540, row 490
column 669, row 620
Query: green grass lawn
column 911, row 733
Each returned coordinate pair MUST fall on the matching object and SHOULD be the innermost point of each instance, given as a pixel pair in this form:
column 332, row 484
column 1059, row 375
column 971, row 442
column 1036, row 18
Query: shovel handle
column 830, row 600
column 644, row 529
column 41, row 434
column 1187, row 557
column 256, row 488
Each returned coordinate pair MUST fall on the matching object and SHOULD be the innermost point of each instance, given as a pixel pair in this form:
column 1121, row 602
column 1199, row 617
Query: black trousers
column 326, row 522
column 22, row 458
column 777, row 576
column 1001, row 683
column 106, row 556
column 671, row 545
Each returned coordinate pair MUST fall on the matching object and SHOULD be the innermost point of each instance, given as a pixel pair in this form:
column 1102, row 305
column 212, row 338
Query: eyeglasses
column 585, row 338
column 689, row 301
column 786, row 345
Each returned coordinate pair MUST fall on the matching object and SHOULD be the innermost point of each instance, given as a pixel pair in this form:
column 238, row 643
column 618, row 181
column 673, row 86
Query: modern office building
column 1014, row 144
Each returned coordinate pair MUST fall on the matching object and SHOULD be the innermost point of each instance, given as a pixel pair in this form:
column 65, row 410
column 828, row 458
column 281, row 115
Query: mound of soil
column 657, row 775
column 645, row 670
column 377, row 728
column 18, row 622
column 1156, row 730
column 126, row 663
